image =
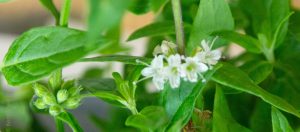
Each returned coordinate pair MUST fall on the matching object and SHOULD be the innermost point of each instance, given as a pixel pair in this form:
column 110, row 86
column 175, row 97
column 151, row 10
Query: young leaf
column 95, row 84
column 151, row 118
column 156, row 29
column 40, row 51
column 249, row 43
column 104, row 14
column 212, row 16
column 179, row 102
column 233, row 77
column 51, row 7
column 70, row 120
column 279, row 122
column 222, row 118
column 139, row 6
column 112, row 98
column 119, row 58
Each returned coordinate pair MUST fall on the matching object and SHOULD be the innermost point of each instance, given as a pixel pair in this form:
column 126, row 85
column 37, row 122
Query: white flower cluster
column 177, row 66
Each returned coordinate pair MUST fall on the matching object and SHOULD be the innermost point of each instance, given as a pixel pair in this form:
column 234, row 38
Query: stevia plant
column 197, row 85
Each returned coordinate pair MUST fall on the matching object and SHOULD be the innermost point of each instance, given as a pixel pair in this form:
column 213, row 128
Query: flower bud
column 49, row 99
column 39, row 103
column 55, row 80
column 62, row 95
column 55, row 110
column 74, row 91
column 40, row 90
column 72, row 103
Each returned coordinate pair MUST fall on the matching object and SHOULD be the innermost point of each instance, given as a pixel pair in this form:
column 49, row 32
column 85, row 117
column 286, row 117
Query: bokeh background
column 18, row 16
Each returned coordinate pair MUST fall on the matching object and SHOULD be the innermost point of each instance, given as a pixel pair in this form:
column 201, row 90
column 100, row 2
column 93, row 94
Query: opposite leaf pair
column 179, row 66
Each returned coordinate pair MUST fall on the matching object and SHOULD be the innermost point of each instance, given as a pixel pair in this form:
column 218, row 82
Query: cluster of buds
column 169, row 66
column 57, row 97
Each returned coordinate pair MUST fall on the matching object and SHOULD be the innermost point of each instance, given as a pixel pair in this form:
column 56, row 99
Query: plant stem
column 59, row 125
column 65, row 13
column 176, row 6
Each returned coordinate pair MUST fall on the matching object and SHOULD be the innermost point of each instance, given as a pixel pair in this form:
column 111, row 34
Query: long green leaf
column 40, row 51
column 156, row 29
column 151, row 118
column 249, row 43
column 258, row 71
column 279, row 122
column 133, row 60
column 179, row 102
column 233, row 77
column 70, row 120
column 212, row 16
column 51, row 7
column 222, row 118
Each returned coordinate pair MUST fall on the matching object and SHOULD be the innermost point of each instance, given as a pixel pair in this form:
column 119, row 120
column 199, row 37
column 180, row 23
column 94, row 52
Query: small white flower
column 208, row 56
column 174, row 70
column 192, row 68
column 156, row 71
column 165, row 48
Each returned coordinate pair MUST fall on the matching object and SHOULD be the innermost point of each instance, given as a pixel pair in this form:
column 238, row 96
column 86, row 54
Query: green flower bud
column 39, row 103
column 62, row 95
column 72, row 103
column 49, row 99
column 55, row 79
column 55, row 110
column 75, row 91
column 40, row 90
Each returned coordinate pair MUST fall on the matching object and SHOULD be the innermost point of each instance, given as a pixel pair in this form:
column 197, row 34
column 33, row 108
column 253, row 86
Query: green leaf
column 112, row 98
column 279, row 122
column 140, row 6
column 156, row 5
column 212, row 16
column 249, row 43
column 104, row 15
column 119, row 58
column 70, row 120
column 96, row 84
column 179, row 102
column 222, row 118
column 258, row 71
column 51, row 7
column 40, row 51
column 233, row 77
column 156, row 29
column 151, row 118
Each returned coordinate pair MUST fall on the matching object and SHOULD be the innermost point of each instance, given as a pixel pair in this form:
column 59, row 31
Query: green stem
column 176, row 6
column 65, row 13
column 59, row 125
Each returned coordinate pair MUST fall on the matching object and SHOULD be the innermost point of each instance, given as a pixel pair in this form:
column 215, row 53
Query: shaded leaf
column 212, row 16
column 151, row 118
column 279, row 122
column 258, row 71
column 222, row 118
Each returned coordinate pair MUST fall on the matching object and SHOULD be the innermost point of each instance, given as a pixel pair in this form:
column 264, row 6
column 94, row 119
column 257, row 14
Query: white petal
column 205, row 46
column 202, row 67
column 215, row 54
column 159, row 83
column 192, row 76
column 158, row 61
column 174, row 81
column 148, row 71
column 174, row 60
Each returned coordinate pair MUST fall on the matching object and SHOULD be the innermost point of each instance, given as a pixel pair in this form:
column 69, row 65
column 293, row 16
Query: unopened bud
column 40, row 90
column 55, row 110
column 49, row 99
column 62, row 95
column 74, row 91
column 39, row 103
column 72, row 103
column 55, row 79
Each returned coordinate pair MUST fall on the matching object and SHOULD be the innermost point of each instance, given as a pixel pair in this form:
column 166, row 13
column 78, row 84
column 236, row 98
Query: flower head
column 174, row 70
column 156, row 71
column 208, row 56
column 192, row 67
